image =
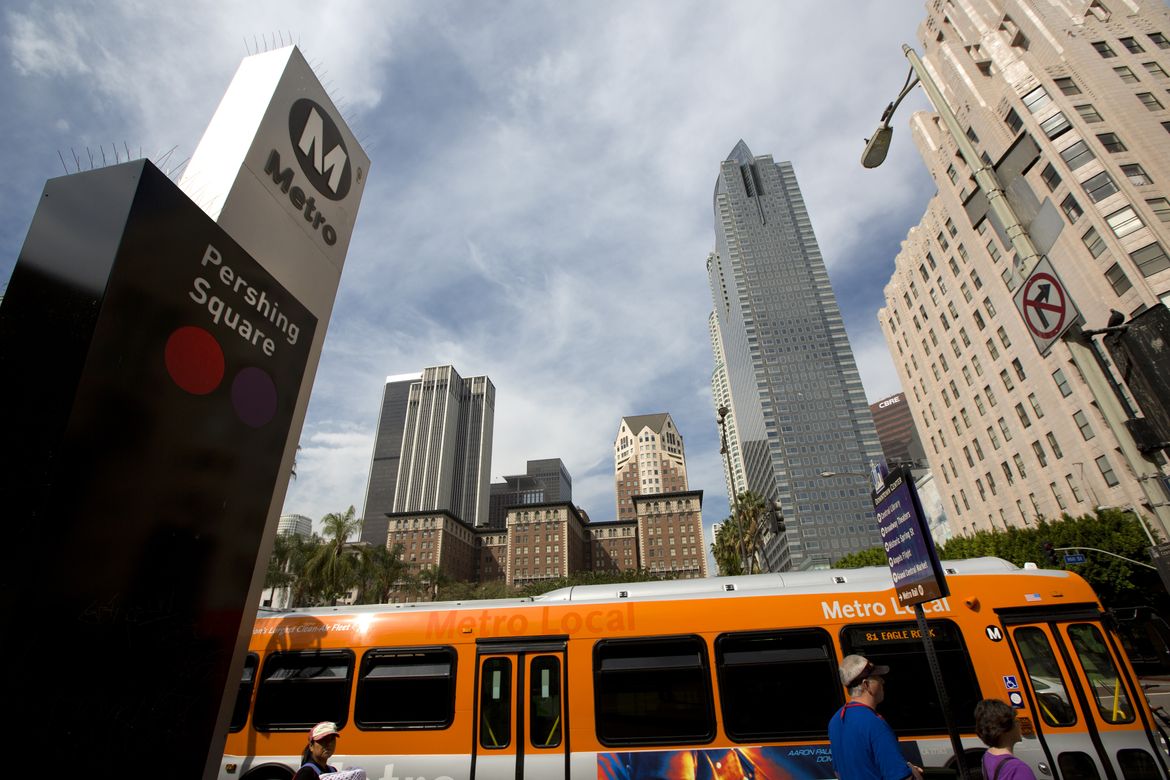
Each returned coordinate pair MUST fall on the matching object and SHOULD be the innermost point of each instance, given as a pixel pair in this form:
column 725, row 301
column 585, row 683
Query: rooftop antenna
column 117, row 157
column 103, row 149
column 90, row 153
column 76, row 159
column 63, row 165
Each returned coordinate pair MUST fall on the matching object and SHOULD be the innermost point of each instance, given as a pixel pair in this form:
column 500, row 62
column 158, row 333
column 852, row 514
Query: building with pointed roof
column 648, row 458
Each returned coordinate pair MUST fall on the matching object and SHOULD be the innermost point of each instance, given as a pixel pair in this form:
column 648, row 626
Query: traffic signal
column 1050, row 554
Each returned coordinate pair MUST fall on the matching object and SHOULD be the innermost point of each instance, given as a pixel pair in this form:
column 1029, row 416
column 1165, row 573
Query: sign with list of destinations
column 914, row 564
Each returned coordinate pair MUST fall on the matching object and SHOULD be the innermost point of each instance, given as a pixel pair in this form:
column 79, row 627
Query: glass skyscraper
column 797, row 404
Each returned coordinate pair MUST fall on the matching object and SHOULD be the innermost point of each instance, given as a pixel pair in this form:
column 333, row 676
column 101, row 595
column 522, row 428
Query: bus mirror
column 972, row 603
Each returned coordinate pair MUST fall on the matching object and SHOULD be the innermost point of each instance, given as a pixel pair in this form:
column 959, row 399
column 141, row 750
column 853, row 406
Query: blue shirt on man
column 864, row 746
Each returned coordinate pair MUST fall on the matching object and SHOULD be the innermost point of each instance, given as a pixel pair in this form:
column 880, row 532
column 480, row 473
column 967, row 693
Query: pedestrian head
column 322, row 743
column 860, row 675
column 996, row 723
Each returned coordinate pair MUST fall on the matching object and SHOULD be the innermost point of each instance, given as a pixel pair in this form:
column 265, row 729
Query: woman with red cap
column 322, row 744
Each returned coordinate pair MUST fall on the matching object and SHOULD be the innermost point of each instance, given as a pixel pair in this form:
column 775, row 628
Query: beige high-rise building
column 648, row 457
column 735, row 478
column 1012, row 435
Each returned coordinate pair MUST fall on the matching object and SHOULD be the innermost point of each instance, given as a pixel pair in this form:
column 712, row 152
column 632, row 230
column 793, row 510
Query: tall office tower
column 732, row 460
column 1068, row 101
column 896, row 432
column 544, row 481
column 798, row 406
column 648, row 457
column 387, row 452
column 446, row 452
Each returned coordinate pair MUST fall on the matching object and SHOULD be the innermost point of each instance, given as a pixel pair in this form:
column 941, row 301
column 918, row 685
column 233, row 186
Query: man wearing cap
column 863, row 744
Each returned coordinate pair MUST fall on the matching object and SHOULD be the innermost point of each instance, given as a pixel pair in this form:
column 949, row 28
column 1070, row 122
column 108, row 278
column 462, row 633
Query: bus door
column 1082, row 696
column 520, row 710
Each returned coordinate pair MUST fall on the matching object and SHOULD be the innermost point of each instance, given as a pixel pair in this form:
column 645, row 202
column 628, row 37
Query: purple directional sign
column 914, row 564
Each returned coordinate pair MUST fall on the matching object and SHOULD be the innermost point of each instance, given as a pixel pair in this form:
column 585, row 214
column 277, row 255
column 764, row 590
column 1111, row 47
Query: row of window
column 646, row 691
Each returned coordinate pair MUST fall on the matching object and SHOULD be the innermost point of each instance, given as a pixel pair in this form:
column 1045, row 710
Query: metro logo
column 320, row 149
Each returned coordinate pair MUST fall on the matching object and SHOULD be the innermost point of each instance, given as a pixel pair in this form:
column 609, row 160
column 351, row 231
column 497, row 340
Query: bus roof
column 871, row 578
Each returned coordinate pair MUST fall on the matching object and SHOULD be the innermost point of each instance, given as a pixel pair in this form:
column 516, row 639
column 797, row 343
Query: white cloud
column 539, row 202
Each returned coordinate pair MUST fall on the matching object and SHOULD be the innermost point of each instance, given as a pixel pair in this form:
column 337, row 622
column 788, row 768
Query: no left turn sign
column 1044, row 304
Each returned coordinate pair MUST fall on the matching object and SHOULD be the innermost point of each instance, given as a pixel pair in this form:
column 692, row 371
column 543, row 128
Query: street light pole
column 736, row 519
column 1025, row 249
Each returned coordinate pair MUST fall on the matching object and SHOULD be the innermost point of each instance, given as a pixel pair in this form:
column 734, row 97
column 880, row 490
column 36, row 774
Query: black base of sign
column 145, row 423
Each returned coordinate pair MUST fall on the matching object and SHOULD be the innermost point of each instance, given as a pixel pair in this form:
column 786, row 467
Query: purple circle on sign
column 254, row 396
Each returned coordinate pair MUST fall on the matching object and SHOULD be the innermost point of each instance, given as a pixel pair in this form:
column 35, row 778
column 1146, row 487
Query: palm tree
column 286, row 567
column 432, row 578
column 751, row 509
column 380, row 569
column 332, row 568
column 725, row 548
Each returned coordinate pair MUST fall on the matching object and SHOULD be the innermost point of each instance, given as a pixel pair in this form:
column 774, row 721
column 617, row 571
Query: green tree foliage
column 1118, row 583
column 874, row 556
column 738, row 547
column 725, row 549
column 333, row 568
column 378, row 571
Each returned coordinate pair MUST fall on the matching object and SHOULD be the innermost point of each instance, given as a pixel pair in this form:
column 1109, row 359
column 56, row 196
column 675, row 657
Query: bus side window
column 244, row 694
column 759, row 669
column 652, row 691
column 301, row 688
column 1104, row 680
column 911, row 706
column 404, row 689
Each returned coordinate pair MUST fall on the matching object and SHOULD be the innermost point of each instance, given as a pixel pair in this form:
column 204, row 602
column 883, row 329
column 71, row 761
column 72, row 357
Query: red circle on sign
column 1034, row 308
column 194, row 360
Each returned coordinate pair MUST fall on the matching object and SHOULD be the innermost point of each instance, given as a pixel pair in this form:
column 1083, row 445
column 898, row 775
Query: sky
column 538, row 207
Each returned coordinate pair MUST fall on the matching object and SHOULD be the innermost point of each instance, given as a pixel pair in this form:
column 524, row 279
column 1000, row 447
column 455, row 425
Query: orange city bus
column 719, row 678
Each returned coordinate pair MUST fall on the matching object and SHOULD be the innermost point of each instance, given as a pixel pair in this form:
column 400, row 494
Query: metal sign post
column 916, row 573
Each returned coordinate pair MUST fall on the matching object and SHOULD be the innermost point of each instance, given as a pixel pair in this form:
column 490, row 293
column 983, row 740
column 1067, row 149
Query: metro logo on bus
column 320, row 149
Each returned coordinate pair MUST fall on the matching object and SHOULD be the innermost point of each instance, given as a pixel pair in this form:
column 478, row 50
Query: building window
column 1111, row 142
column 1072, row 209
column 1037, row 99
column 1154, row 69
column 1088, row 113
column 1150, row 259
column 1131, row 45
column 1022, row 413
column 1124, row 221
column 1003, row 337
column 1125, row 74
column 992, row 349
column 1099, row 187
column 1004, row 429
column 1107, row 471
column 1077, row 155
column 1104, row 49
column 1136, row 174
column 1037, row 409
column 1041, row 456
column 1149, row 101
column 1054, row 445
column 994, row 437
column 1050, row 177
column 1076, row 491
column 1159, row 40
column 1013, row 120
column 1061, row 382
column 1117, row 279
column 1058, row 124
column 1160, row 207
column 1066, row 85
column 1094, row 242
column 1083, row 423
